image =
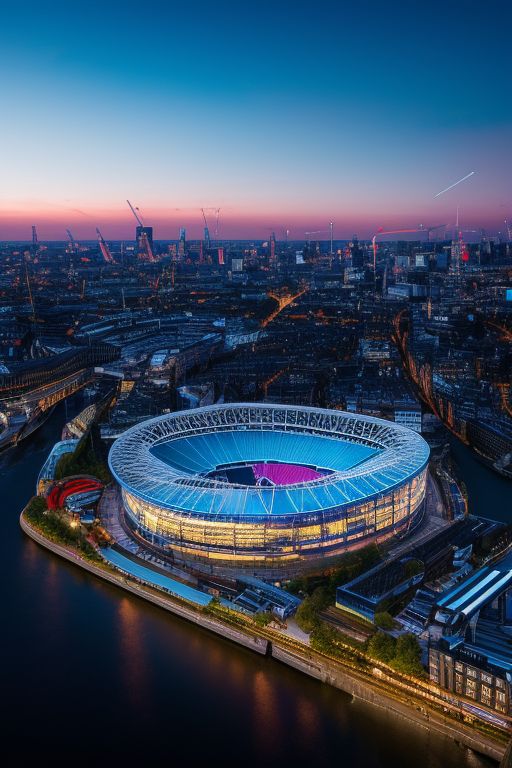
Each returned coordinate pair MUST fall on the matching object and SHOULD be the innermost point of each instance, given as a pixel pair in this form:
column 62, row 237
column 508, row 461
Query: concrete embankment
column 320, row 668
column 367, row 692
column 258, row 644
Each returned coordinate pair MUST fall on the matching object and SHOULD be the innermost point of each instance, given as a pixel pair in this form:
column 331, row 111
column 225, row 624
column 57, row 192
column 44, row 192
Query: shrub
column 263, row 618
column 84, row 460
column 307, row 612
column 382, row 647
column 324, row 638
column 35, row 508
column 346, row 568
column 403, row 654
column 408, row 655
column 306, row 615
column 384, row 620
column 55, row 527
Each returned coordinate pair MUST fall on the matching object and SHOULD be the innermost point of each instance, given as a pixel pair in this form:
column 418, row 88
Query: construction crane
column 146, row 245
column 105, row 250
column 30, row 296
column 143, row 235
column 317, row 232
column 381, row 231
column 73, row 245
column 215, row 212
column 206, row 230
column 136, row 213
column 428, row 230
column 385, row 232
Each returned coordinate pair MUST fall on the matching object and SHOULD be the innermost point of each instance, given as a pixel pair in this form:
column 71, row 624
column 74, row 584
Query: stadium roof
column 164, row 460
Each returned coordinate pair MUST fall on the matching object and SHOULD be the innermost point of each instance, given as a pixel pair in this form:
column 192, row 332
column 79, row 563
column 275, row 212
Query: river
column 91, row 674
column 489, row 494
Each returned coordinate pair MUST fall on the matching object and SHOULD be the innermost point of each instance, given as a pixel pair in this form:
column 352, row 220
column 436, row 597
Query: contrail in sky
column 454, row 185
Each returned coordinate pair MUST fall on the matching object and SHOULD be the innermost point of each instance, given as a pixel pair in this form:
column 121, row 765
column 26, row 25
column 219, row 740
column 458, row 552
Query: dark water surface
column 91, row 675
column 490, row 495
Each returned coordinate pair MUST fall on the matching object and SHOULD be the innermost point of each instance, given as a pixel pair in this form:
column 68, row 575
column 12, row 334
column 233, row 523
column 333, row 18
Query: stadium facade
column 268, row 489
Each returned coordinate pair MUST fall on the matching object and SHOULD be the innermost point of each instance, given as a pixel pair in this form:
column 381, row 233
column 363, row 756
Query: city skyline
column 256, row 382
column 283, row 119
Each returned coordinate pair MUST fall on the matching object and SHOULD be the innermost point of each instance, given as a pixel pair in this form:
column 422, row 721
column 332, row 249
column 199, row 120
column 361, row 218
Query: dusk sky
column 286, row 115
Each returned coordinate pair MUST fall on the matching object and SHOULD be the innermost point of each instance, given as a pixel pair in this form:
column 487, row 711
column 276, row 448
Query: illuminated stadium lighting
column 268, row 489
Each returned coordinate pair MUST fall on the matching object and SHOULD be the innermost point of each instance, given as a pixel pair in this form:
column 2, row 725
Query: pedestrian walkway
column 154, row 578
column 109, row 510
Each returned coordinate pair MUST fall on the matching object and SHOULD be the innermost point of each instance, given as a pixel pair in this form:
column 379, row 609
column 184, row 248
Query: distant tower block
column 273, row 250
column 181, row 242
column 142, row 235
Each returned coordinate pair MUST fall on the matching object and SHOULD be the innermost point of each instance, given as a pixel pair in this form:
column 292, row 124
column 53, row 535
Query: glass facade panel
column 186, row 510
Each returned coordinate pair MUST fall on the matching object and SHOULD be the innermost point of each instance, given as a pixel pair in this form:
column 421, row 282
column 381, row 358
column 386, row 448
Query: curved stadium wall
column 268, row 489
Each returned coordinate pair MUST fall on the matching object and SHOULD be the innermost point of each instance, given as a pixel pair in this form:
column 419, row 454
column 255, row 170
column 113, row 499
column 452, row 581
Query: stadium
column 271, row 490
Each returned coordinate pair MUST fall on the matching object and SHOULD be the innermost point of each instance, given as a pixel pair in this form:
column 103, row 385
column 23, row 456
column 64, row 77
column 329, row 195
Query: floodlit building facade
column 268, row 489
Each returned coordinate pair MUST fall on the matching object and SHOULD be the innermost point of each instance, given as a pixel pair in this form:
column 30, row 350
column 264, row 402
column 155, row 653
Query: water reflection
column 266, row 713
column 30, row 557
column 307, row 719
column 133, row 654
column 52, row 588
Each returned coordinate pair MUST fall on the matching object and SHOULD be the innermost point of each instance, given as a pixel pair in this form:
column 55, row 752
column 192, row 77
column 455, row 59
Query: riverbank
column 179, row 608
column 381, row 692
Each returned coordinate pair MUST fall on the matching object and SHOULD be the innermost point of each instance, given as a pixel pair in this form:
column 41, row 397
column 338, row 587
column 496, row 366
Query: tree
column 306, row 615
column 353, row 564
column 408, row 655
column 384, row 620
column 36, row 507
column 263, row 618
column 324, row 639
column 84, row 460
column 320, row 598
column 382, row 647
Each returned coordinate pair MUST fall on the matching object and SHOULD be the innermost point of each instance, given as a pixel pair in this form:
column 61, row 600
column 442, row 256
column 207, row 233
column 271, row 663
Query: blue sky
column 284, row 114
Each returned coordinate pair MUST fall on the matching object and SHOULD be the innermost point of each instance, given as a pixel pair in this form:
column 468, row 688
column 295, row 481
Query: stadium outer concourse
column 268, row 489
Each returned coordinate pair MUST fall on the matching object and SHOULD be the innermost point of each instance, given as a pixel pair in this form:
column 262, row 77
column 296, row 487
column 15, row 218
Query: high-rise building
column 272, row 258
column 356, row 253
column 181, row 242
column 141, row 235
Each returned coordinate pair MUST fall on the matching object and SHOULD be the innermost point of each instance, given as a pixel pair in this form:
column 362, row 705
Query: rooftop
column 166, row 460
